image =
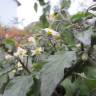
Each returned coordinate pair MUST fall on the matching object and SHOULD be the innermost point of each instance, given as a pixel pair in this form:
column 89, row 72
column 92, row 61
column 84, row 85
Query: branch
column 23, row 65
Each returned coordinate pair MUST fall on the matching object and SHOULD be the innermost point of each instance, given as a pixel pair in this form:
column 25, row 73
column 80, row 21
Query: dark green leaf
column 46, row 8
column 93, row 8
column 41, row 2
column 65, row 3
column 69, row 87
column 90, row 72
column 36, row 7
column 35, row 88
column 44, row 21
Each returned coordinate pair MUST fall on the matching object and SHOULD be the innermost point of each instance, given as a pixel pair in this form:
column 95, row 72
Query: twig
column 9, row 71
column 54, row 46
column 23, row 65
column 27, row 61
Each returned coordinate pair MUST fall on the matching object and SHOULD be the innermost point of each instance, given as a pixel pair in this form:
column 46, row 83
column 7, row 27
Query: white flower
column 19, row 66
column 8, row 56
column 32, row 39
column 20, row 52
column 37, row 51
column 78, row 45
column 51, row 32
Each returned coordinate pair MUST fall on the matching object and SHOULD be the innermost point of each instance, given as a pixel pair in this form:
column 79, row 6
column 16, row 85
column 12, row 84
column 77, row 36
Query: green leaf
column 44, row 21
column 80, row 16
column 19, row 86
column 6, row 70
column 90, row 72
column 84, row 37
column 69, row 87
column 93, row 8
column 36, row 7
column 3, row 80
column 68, row 38
column 65, row 3
column 53, row 71
column 86, row 85
column 41, row 2
column 35, row 88
column 9, row 43
column 81, row 86
column 46, row 8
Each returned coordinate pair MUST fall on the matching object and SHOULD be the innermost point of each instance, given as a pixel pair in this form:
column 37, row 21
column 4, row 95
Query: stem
column 23, row 65
column 53, row 44
column 27, row 61
column 9, row 71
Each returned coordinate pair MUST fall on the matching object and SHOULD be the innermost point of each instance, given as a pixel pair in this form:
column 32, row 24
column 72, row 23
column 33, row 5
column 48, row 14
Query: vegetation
column 56, row 59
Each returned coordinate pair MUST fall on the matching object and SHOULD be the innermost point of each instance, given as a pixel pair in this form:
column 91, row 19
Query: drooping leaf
column 46, row 8
column 84, row 37
column 65, row 3
column 93, row 8
column 36, row 7
column 35, row 88
column 53, row 71
column 44, row 21
column 41, row 2
column 18, row 86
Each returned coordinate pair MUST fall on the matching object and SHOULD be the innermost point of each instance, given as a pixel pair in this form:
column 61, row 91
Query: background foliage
column 52, row 57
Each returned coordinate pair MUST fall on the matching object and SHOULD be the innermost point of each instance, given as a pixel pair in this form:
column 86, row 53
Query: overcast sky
column 7, row 12
column 26, row 11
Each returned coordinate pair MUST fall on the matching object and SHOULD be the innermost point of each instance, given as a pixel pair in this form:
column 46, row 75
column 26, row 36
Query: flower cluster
column 51, row 32
column 37, row 51
column 20, row 52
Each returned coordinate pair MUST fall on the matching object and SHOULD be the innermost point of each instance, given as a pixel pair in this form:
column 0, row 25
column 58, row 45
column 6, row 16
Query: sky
column 79, row 5
column 26, row 13
column 7, row 12
column 26, row 10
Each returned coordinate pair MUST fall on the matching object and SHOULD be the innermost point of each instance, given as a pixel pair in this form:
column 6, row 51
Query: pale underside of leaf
column 84, row 37
column 20, row 86
column 53, row 71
